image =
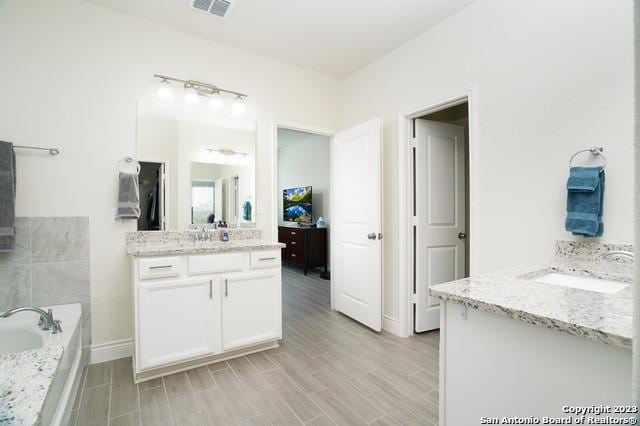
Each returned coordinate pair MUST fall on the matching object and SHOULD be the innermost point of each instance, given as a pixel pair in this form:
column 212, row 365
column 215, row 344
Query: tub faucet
column 46, row 318
column 618, row 253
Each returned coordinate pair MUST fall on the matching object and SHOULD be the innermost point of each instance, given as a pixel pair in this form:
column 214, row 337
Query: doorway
column 440, row 154
column 303, row 200
column 151, row 184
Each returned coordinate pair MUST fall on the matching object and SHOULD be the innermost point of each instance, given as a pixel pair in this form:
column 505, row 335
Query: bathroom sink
column 582, row 283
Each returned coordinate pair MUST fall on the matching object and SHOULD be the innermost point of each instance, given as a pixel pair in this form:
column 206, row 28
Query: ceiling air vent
column 215, row 7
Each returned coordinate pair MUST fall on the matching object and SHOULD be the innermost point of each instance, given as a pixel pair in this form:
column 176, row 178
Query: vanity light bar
column 226, row 152
column 204, row 89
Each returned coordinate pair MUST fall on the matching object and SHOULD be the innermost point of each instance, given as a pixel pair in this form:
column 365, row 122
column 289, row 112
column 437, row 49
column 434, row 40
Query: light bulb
column 238, row 107
column 164, row 92
column 191, row 95
column 216, row 102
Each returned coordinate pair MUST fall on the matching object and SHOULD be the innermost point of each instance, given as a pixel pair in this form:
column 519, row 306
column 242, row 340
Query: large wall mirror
column 195, row 169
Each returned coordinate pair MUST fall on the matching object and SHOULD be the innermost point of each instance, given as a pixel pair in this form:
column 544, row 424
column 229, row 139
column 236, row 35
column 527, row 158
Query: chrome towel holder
column 128, row 160
column 594, row 150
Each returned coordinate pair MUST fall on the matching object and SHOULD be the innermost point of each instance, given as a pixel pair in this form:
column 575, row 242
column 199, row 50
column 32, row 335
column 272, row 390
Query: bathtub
column 20, row 332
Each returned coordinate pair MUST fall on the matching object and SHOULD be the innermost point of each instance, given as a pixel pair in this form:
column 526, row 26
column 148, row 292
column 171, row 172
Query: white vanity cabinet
column 195, row 309
column 251, row 308
column 177, row 320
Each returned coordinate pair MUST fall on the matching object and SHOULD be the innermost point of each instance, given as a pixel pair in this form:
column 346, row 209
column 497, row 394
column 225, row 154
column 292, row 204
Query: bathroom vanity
column 197, row 302
column 533, row 341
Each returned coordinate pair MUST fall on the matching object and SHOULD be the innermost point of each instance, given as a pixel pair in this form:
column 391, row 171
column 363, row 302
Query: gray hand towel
column 128, row 196
column 7, row 196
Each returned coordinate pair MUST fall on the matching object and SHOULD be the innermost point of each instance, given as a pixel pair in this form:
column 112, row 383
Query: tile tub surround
column 605, row 318
column 49, row 266
column 167, row 243
column 25, row 378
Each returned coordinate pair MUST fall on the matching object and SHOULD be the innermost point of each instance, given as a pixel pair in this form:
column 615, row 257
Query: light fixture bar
column 205, row 88
column 228, row 152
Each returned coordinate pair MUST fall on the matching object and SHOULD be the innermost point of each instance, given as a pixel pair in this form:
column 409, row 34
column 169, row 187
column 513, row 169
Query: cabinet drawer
column 265, row 259
column 293, row 234
column 294, row 254
column 160, row 267
column 217, row 263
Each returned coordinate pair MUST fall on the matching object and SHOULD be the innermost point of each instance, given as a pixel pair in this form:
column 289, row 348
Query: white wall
column 71, row 76
column 305, row 162
column 550, row 77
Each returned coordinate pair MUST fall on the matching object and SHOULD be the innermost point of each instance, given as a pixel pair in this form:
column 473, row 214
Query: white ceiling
column 334, row 37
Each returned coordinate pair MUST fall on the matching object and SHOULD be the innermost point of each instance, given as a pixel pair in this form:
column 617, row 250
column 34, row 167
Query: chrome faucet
column 618, row 253
column 202, row 235
column 46, row 322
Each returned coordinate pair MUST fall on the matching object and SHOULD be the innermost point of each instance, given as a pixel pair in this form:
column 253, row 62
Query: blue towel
column 585, row 196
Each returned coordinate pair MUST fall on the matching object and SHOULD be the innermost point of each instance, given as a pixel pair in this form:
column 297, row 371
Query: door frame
column 166, row 196
column 290, row 125
column 405, row 195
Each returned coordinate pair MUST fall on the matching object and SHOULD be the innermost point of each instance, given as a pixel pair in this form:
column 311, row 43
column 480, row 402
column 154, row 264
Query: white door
column 356, row 210
column 440, row 210
column 177, row 321
column 251, row 308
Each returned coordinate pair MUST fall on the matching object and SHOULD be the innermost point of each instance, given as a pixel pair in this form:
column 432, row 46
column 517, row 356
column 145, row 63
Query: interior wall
column 304, row 161
column 549, row 78
column 72, row 75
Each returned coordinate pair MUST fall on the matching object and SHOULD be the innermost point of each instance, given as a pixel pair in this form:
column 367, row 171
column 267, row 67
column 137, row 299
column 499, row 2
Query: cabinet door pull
column 267, row 258
column 160, row 267
column 226, row 287
column 210, row 289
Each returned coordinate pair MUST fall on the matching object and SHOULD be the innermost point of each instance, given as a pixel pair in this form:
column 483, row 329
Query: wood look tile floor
column 329, row 370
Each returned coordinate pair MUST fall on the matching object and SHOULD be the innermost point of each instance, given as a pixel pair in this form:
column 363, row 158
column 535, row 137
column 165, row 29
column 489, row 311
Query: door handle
column 210, row 289
column 226, row 287
column 372, row 236
column 462, row 236
column 267, row 258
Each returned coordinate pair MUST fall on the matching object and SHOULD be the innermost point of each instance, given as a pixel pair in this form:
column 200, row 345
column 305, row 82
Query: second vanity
column 198, row 302
column 538, row 341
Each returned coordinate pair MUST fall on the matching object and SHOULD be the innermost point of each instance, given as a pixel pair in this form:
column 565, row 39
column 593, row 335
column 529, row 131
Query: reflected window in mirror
column 202, row 202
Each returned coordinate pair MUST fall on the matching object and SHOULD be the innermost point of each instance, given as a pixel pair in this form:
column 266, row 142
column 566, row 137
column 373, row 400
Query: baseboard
column 111, row 350
column 393, row 326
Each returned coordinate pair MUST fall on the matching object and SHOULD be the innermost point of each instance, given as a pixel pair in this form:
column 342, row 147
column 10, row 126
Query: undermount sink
column 582, row 283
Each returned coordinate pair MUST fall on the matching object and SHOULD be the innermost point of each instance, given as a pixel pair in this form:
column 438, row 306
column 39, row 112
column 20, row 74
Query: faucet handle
column 57, row 327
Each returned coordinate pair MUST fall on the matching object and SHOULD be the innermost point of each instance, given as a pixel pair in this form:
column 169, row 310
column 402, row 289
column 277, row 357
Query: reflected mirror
column 195, row 169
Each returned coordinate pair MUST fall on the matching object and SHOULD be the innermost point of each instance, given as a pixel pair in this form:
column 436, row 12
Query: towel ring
column 128, row 160
column 594, row 150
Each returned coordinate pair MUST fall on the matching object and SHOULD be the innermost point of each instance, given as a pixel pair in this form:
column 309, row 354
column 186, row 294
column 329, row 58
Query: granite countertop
column 25, row 378
column 605, row 318
column 180, row 247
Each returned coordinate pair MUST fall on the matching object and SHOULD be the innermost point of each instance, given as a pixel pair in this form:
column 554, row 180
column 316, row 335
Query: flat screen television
column 296, row 204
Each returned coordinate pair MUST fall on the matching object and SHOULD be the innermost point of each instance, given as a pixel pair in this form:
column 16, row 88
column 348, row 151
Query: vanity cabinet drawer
column 218, row 263
column 265, row 259
column 160, row 267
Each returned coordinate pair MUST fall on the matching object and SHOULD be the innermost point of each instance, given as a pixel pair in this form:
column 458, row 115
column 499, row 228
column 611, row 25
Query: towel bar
column 594, row 150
